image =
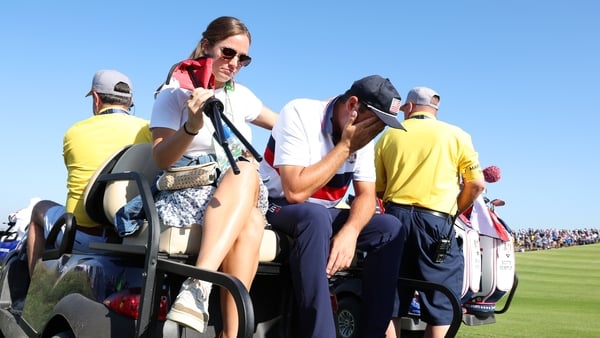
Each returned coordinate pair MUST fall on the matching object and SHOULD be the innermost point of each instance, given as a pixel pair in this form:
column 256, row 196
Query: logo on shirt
column 474, row 167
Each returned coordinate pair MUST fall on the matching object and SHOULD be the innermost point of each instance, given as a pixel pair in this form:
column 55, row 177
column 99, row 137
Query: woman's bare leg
column 231, row 235
column 242, row 262
column 226, row 215
column 391, row 331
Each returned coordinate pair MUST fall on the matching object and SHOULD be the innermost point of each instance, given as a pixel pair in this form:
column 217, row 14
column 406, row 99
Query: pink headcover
column 491, row 174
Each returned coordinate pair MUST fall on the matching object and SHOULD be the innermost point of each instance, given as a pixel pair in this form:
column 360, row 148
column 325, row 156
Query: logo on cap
column 395, row 105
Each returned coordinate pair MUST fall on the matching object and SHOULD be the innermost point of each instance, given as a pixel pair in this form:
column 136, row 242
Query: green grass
column 558, row 295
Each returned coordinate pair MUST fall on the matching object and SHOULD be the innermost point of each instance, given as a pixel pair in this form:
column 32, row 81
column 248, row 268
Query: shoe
column 191, row 305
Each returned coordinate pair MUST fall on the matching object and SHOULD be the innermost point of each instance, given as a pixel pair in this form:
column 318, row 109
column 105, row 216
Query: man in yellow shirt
column 419, row 176
column 86, row 145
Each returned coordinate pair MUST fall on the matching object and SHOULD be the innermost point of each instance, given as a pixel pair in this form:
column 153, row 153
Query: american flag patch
column 395, row 105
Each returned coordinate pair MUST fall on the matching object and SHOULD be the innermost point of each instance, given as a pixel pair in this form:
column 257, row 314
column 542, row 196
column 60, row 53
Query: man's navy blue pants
column 312, row 226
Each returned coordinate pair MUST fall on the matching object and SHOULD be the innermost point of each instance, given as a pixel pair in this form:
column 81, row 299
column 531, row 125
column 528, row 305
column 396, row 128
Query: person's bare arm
column 469, row 193
column 343, row 244
column 299, row 183
column 266, row 119
column 169, row 145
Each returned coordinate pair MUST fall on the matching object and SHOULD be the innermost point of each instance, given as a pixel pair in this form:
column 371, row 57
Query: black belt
column 421, row 209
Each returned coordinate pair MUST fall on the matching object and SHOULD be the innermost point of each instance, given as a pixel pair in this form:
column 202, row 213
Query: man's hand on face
column 360, row 130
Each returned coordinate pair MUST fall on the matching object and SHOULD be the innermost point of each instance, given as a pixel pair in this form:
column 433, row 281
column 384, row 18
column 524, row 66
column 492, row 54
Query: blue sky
column 521, row 76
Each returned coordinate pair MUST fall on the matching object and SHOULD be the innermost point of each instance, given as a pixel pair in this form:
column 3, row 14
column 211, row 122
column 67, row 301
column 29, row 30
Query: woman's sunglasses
column 230, row 53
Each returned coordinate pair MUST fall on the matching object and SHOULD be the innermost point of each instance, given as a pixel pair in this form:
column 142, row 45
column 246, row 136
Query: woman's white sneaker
column 191, row 305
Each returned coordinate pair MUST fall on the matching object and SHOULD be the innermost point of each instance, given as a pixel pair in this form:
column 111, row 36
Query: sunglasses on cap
column 230, row 53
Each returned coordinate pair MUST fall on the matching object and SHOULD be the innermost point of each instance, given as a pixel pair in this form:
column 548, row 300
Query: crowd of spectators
column 542, row 239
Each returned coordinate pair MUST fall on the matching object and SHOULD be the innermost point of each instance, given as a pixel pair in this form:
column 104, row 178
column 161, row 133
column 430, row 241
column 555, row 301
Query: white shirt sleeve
column 170, row 111
column 169, row 108
column 291, row 138
column 364, row 169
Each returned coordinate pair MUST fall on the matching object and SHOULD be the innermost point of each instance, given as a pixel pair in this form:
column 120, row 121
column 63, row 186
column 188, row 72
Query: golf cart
column 124, row 289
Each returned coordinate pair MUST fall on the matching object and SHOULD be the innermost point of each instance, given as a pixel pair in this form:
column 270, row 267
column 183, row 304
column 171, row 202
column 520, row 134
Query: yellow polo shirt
column 423, row 165
column 87, row 144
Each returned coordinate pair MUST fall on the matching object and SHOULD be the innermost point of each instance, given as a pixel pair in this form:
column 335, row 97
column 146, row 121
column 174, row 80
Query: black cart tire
column 347, row 317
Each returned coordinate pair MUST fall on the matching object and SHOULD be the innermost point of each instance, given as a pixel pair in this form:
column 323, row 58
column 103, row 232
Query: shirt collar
column 113, row 110
column 421, row 114
column 327, row 123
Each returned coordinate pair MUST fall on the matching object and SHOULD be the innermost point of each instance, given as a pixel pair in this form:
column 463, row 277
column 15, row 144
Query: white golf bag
column 472, row 256
column 496, row 267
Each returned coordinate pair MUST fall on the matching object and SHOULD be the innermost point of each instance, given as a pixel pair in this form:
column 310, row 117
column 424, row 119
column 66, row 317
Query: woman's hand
column 195, row 104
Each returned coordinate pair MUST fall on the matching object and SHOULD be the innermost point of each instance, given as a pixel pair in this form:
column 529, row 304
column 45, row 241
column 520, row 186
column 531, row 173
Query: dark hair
column 344, row 97
column 220, row 29
column 115, row 99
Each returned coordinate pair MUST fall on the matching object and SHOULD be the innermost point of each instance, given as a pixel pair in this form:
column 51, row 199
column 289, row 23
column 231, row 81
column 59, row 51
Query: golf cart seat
column 104, row 198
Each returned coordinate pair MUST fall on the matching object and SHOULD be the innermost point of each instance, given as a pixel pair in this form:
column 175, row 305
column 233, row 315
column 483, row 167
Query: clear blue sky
column 522, row 77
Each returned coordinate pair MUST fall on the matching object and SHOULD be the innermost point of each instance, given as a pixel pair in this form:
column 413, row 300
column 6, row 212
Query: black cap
column 381, row 97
